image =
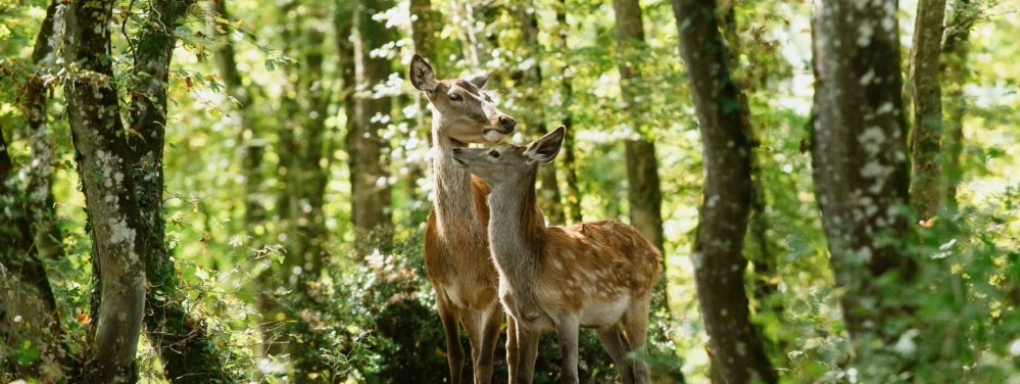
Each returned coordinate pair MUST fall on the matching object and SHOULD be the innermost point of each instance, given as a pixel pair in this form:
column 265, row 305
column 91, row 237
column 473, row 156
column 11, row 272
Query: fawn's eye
column 455, row 97
column 494, row 154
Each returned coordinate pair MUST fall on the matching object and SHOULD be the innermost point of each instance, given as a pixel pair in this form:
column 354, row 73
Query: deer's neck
column 455, row 202
column 515, row 235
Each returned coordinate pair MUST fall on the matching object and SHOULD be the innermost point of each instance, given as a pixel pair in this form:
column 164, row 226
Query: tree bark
column 955, row 50
column 533, row 114
column 48, row 236
column 861, row 176
column 105, row 168
column 185, row 349
column 29, row 322
column 423, row 32
column 365, row 145
column 722, row 224
column 643, row 194
column 926, row 138
column 573, row 196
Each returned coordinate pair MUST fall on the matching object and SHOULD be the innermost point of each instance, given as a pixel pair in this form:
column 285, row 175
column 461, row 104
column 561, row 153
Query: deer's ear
column 480, row 80
column 545, row 149
column 422, row 76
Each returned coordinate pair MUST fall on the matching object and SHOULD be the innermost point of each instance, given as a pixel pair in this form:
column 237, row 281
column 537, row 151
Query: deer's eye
column 455, row 97
column 494, row 154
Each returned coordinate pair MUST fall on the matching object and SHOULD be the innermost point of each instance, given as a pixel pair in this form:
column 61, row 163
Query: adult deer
column 595, row 274
column 456, row 245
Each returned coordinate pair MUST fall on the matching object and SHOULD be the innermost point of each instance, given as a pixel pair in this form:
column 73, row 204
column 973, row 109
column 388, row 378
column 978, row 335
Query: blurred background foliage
column 369, row 315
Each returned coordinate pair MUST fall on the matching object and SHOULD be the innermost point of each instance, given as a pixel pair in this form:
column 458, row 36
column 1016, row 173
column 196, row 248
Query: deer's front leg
column 523, row 368
column 567, row 329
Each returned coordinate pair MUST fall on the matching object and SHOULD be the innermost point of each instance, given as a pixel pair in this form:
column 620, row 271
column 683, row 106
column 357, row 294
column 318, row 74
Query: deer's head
column 508, row 163
column 465, row 111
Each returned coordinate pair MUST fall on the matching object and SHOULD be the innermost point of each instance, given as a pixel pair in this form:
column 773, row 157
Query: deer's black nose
column 508, row 123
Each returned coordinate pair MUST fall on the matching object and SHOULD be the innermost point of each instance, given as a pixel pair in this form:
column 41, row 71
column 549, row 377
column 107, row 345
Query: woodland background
column 235, row 191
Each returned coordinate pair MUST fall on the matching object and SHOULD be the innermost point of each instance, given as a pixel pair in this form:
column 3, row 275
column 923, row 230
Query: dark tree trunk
column 861, row 176
column 105, row 167
column 643, row 194
column 28, row 311
column 760, row 250
column 722, row 224
column 926, row 138
column 569, row 167
column 365, row 145
column 954, row 58
column 533, row 114
column 249, row 133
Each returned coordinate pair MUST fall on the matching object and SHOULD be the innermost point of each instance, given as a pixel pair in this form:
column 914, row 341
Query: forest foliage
column 275, row 169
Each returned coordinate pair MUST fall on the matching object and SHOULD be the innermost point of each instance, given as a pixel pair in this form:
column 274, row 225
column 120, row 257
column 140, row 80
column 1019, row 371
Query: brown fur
column 595, row 274
column 456, row 246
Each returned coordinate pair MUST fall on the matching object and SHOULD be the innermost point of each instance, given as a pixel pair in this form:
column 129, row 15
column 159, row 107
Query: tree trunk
column 365, row 145
column 423, row 32
column 46, row 224
column 643, row 193
column 722, row 224
column 184, row 347
column 926, row 140
column 105, row 167
column 29, row 322
column 954, row 71
column 861, row 176
column 573, row 196
column 249, row 134
column 533, row 114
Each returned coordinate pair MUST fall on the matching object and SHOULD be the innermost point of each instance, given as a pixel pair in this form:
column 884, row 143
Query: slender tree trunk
column 533, row 114
column 727, row 146
column 860, row 171
column 573, row 196
column 28, row 320
column 954, row 58
column 365, row 145
column 46, row 225
column 643, row 194
column 926, row 138
column 764, row 260
column 423, row 32
column 249, row 133
column 105, row 167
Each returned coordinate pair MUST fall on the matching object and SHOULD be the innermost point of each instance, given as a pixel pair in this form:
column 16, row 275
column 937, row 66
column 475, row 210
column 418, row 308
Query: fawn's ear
column 480, row 80
column 545, row 149
column 422, row 76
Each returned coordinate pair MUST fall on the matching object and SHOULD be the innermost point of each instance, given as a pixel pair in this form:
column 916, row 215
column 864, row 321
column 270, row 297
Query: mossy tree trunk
column 861, row 178
column 926, row 137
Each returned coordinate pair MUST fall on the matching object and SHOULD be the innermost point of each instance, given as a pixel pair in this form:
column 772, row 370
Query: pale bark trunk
column 105, row 168
column 926, row 138
column 719, row 262
column 643, row 195
column 46, row 225
column 861, row 176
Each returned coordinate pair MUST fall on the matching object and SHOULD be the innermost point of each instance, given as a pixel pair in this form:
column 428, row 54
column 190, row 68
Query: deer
column 594, row 274
column 457, row 258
